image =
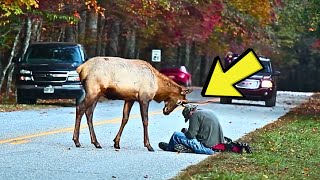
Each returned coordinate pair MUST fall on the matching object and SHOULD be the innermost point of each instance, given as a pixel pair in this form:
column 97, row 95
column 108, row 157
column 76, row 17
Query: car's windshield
column 267, row 67
column 47, row 55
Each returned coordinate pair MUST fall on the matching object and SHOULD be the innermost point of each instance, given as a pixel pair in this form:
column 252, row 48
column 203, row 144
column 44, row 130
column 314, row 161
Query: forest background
column 188, row 32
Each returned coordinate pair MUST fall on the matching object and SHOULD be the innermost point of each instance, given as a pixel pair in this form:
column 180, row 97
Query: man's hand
column 184, row 130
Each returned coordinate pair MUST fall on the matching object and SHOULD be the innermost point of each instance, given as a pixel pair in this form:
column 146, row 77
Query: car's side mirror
column 276, row 73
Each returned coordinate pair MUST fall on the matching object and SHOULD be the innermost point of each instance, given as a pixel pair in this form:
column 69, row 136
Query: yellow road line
column 24, row 139
column 20, row 141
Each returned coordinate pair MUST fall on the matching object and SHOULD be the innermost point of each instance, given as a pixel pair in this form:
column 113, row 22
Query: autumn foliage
column 197, row 28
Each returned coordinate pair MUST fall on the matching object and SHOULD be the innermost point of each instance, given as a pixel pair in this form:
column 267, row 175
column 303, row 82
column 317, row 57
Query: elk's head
column 174, row 100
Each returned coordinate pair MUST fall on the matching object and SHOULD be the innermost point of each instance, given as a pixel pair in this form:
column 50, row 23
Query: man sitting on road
column 203, row 133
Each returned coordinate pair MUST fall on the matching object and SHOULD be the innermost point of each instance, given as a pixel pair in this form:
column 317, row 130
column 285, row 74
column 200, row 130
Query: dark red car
column 178, row 74
column 260, row 87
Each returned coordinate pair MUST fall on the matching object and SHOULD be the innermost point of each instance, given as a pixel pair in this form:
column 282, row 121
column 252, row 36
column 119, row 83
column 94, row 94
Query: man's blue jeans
column 194, row 144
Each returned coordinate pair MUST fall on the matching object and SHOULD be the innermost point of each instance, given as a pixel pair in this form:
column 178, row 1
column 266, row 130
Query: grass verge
column 8, row 106
column 41, row 104
column 285, row 149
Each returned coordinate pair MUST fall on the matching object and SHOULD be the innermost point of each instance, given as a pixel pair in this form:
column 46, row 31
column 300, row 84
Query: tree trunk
column 100, row 35
column 25, row 46
column 69, row 33
column 113, row 47
column 13, row 52
column 137, row 54
column 104, row 39
column 10, row 78
column 38, row 34
column 178, row 57
column 195, row 66
column 129, row 50
column 36, row 30
column 27, row 37
column 82, row 27
column 203, row 70
column 184, row 56
column 62, row 34
column 187, row 55
column 91, row 33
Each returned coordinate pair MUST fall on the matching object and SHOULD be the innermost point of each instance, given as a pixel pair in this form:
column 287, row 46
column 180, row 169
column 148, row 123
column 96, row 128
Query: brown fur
column 128, row 80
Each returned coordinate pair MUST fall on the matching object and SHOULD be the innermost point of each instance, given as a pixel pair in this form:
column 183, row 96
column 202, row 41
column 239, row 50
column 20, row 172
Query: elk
column 130, row 80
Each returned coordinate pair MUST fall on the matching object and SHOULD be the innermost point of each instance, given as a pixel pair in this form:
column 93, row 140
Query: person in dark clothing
column 203, row 133
column 228, row 59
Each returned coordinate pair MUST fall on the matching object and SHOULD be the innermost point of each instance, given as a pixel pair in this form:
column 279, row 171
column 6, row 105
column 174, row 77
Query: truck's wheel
column 271, row 101
column 80, row 98
column 26, row 101
column 23, row 100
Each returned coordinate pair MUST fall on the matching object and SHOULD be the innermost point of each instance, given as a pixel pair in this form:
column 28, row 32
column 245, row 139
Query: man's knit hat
column 187, row 109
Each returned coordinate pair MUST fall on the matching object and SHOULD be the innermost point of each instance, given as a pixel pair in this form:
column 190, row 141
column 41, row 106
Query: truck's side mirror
column 276, row 73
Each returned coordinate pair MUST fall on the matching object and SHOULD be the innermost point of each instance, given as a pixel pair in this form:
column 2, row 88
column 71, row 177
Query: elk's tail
column 82, row 74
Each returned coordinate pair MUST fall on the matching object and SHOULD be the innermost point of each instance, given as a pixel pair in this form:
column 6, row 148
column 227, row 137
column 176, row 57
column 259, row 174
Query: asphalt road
column 37, row 144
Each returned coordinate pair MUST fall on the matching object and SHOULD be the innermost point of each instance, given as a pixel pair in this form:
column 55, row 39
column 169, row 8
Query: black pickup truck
column 47, row 71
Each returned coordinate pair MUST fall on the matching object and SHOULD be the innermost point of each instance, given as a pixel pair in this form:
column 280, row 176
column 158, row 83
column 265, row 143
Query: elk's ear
column 186, row 91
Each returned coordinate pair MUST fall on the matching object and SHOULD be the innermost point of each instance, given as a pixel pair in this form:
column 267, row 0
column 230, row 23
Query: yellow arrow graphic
column 221, row 82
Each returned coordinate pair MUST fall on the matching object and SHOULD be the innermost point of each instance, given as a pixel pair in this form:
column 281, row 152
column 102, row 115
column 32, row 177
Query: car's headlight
column 74, row 78
column 266, row 84
column 23, row 71
column 182, row 75
column 25, row 78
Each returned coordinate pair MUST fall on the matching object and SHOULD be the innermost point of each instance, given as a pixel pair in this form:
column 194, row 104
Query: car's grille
column 53, row 76
column 249, row 84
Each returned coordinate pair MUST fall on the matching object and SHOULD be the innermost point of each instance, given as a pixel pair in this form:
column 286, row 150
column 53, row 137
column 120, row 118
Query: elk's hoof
column 150, row 149
column 97, row 145
column 116, row 146
column 78, row 144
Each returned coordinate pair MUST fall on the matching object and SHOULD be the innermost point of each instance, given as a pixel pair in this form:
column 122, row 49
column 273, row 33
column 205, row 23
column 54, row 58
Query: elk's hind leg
column 89, row 115
column 80, row 110
column 126, row 111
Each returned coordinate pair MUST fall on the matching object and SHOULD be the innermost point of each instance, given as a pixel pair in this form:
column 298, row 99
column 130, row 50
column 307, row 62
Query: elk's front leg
column 126, row 111
column 144, row 106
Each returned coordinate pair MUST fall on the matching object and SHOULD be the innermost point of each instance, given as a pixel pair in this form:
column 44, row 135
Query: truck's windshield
column 48, row 55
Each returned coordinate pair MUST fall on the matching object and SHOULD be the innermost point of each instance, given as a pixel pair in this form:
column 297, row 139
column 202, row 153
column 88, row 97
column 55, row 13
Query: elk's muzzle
column 166, row 111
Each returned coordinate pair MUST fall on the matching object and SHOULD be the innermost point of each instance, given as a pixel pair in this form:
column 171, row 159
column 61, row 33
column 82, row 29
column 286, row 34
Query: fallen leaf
column 292, row 150
column 265, row 176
